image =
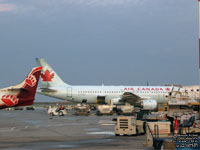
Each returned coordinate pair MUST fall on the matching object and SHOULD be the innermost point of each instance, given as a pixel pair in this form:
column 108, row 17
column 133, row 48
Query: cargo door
column 101, row 100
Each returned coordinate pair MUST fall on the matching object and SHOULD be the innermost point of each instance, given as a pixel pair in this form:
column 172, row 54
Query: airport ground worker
column 176, row 125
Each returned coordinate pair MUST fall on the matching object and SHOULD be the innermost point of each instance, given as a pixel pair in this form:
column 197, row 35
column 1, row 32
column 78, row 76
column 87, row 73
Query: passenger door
column 69, row 93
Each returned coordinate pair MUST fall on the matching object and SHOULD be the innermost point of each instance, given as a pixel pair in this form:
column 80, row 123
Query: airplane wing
column 131, row 98
column 17, row 90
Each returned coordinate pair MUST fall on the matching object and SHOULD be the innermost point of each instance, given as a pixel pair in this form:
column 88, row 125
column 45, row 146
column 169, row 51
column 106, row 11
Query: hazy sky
column 114, row 42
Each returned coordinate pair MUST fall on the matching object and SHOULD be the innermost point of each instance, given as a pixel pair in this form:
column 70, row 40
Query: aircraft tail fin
column 49, row 77
column 23, row 94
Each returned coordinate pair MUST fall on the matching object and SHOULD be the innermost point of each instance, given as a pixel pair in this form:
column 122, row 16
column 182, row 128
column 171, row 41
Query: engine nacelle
column 149, row 104
column 115, row 101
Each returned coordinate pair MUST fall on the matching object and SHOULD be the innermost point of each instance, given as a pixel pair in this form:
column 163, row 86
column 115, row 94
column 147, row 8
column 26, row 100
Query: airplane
column 146, row 96
column 22, row 94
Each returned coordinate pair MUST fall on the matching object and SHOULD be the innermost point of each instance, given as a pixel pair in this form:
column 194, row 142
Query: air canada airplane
column 22, row 94
column 54, row 86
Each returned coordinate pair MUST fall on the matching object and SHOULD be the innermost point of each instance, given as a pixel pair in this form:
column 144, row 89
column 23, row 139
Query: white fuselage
column 90, row 94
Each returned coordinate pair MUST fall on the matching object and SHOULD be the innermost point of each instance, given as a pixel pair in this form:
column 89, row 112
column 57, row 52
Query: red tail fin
column 29, row 86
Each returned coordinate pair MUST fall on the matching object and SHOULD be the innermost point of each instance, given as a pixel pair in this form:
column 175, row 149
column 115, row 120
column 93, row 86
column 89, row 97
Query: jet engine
column 115, row 101
column 149, row 104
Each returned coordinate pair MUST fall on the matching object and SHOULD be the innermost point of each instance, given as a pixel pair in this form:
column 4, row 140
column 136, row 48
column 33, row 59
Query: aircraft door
column 69, row 92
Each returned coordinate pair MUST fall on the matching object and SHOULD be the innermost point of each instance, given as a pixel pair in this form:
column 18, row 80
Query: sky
column 94, row 42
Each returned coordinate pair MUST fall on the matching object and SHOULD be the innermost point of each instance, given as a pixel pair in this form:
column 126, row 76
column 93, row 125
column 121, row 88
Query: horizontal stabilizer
column 18, row 90
column 47, row 90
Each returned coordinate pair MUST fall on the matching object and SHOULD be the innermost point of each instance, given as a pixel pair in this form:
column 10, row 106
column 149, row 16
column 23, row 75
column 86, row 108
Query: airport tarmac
column 22, row 130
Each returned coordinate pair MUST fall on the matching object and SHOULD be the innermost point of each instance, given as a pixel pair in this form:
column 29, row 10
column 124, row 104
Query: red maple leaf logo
column 47, row 76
